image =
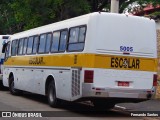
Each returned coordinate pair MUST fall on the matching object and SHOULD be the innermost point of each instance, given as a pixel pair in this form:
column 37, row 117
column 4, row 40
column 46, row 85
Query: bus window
column 35, row 44
column 14, row 47
column 20, row 46
column 30, row 44
column 74, row 35
column 82, row 34
column 42, row 42
column 48, row 42
column 7, row 51
column 63, row 40
column 25, row 45
column 76, row 39
column 55, row 41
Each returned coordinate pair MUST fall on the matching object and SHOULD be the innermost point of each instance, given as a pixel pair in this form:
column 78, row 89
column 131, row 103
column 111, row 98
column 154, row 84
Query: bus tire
column 52, row 98
column 1, row 85
column 12, row 90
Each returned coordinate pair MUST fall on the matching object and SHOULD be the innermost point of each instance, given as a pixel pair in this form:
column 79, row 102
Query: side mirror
column 4, row 47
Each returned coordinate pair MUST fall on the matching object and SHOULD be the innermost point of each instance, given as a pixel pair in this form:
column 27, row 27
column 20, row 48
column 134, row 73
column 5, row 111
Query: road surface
column 67, row 111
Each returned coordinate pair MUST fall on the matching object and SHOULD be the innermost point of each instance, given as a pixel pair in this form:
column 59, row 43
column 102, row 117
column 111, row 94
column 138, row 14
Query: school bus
column 105, row 58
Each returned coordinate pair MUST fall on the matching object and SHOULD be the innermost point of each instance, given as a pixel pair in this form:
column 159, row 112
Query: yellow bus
column 105, row 58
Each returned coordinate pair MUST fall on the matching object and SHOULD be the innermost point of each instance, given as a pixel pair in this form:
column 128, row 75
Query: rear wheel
column 52, row 98
column 12, row 89
column 1, row 85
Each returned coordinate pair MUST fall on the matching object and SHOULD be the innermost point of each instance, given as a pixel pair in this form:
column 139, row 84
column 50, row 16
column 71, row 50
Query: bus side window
column 76, row 38
column 25, row 46
column 55, row 41
column 14, row 47
column 30, row 45
column 35, row 44
column 7, row 50
column 20, row 46
column 63, row 40
column 74, row 35
column 48, row 42
column 42, row 41
column 82, row 34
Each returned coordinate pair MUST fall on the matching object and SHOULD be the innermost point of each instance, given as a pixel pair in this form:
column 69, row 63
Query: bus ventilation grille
column 75, row 82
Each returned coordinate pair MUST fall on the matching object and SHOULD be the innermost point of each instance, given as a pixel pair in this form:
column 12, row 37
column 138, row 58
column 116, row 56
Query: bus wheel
column 1, row 85
column 52, row 98
column 12, row 89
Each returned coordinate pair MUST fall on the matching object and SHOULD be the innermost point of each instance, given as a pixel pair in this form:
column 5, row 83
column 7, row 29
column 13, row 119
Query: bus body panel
column 129, row 42
column 33, row 80
column 115, row 34
column 109, row 78
column 3, row 39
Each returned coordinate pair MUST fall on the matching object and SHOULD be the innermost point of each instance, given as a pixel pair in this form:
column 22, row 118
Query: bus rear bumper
column 88, row 90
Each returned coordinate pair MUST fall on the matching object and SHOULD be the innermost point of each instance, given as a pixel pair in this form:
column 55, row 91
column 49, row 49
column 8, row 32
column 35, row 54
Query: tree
column 33, row 13
column 99, row 5
column 7, row 20
column 20, row 15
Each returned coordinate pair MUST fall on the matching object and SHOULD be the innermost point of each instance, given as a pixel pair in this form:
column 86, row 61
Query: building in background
column 152, row 12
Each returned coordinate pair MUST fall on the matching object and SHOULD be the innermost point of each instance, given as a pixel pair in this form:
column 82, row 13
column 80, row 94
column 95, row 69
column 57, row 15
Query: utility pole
column 114, row 6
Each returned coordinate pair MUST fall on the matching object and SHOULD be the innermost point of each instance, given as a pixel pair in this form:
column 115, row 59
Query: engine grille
column 75, row 82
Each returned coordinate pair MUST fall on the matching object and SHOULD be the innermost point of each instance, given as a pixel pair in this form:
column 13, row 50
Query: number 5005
column 124, row 48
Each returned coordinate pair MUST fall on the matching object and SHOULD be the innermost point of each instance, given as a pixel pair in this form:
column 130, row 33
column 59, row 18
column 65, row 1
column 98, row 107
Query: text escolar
column 125, row 63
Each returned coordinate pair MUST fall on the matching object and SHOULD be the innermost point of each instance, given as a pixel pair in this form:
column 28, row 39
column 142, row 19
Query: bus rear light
column 155, row 80
column 88, row 76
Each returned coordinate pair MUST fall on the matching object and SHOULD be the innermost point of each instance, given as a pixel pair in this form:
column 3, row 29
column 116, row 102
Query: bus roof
column 65, row 23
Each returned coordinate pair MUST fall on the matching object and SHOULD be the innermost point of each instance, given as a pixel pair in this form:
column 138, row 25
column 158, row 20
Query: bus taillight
column 88, row 76
column 155, row 80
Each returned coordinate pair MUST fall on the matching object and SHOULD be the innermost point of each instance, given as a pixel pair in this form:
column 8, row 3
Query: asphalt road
column 67, row 111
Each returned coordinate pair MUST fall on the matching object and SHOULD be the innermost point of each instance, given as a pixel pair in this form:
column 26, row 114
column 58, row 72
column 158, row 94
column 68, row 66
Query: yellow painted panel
column 86, row 60
column 126, row 63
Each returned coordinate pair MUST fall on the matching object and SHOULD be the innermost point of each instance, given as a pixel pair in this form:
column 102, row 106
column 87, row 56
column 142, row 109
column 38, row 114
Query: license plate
column 124, row 84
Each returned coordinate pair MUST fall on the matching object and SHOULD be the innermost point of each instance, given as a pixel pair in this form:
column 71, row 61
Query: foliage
column 20, row 15
column 7, row 20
